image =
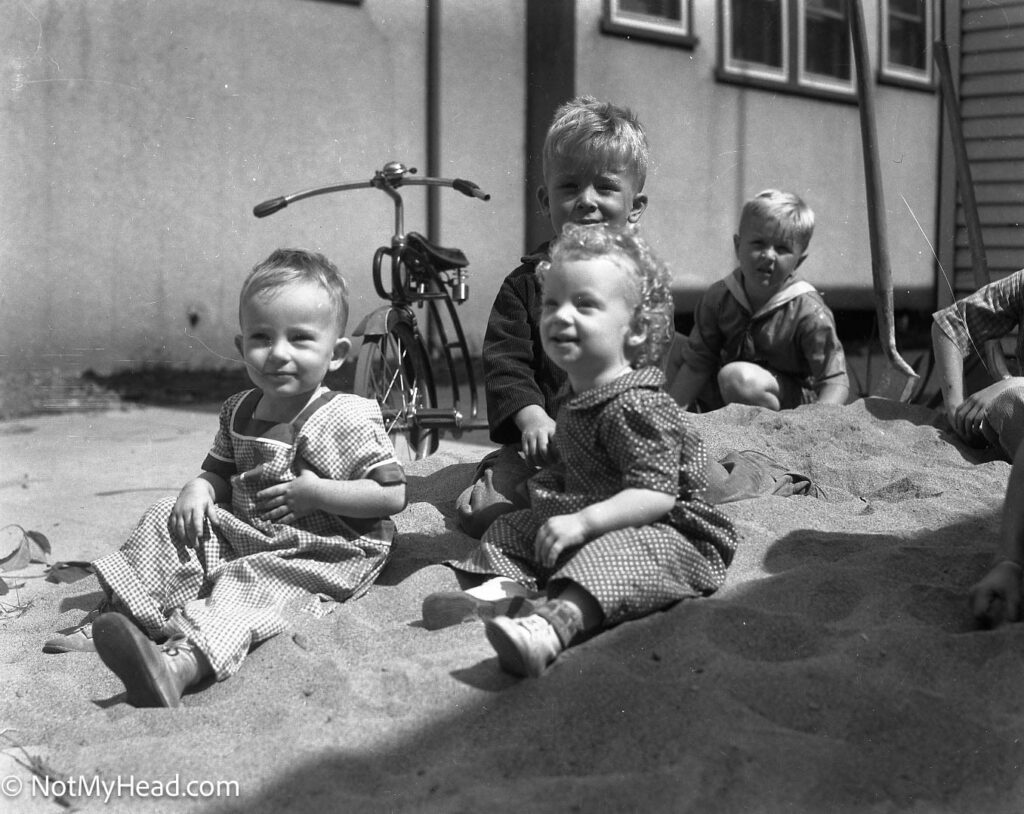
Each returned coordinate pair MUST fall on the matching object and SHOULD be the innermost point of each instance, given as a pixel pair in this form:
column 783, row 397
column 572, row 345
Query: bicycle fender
column 380, row 321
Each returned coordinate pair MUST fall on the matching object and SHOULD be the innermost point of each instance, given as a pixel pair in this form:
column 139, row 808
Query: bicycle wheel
column 394, row 370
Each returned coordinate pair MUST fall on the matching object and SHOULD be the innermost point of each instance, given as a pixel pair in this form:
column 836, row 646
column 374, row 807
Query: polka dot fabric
column 228, row 594
column 626, row 434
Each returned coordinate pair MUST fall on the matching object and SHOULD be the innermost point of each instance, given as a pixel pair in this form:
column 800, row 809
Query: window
column 660, row 20
column 801, row 46
column 907, row 33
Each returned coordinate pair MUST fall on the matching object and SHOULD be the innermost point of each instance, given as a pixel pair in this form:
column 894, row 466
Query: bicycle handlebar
column 469, row 189
column 261, row 210
column 388, row 180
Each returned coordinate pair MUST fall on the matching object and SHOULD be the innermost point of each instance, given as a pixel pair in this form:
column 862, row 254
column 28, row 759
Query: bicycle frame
column 426, row 275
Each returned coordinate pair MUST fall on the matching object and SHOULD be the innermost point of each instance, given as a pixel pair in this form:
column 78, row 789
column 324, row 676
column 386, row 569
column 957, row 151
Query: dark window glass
column 757, row 31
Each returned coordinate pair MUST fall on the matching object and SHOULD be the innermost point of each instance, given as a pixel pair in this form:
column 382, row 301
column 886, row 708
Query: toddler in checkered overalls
column 617, row 527
column 311, row 479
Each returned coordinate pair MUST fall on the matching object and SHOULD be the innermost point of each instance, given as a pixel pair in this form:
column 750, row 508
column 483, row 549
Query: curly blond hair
column 650, row 279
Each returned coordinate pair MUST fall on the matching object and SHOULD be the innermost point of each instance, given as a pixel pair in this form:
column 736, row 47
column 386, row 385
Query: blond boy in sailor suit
column 767, row 335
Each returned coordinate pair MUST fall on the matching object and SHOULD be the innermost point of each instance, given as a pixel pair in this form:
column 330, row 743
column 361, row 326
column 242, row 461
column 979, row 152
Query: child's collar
column 793, row 289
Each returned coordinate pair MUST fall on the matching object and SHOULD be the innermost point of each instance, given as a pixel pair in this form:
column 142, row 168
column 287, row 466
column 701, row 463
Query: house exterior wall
column 991, row 99
column 714, row 145
column 138, row 136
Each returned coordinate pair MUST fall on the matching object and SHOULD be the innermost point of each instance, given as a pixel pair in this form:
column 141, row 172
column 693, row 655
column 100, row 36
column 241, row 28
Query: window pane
column 827, row 39
column 667, row 9
column 757, row 31
column 907, row 30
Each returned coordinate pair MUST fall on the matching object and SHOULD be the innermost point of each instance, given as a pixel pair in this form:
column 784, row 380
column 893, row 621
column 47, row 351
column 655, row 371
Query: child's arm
column 308, row 492
column 833, row 393
column 949, row 365
column 197, row 502
column 964, row 414
column 630, row 507
column 1002, row 584
column 537, row 429
column 687, row 385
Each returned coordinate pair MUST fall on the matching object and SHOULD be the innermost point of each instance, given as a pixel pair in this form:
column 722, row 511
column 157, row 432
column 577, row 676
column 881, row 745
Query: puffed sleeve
column 645, row 432
column 346, row 440
column 220, row 460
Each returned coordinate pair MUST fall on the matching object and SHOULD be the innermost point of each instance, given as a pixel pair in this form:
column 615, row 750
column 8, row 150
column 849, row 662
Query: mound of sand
column 838, row 670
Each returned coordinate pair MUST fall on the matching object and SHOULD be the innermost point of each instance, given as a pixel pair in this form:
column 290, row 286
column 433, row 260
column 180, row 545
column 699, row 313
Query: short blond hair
column 793, row 215
column 289, row 266
column 587, row 132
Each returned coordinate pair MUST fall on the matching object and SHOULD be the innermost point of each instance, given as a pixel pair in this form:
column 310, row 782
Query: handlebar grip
column 261, row 210
column 469, row 189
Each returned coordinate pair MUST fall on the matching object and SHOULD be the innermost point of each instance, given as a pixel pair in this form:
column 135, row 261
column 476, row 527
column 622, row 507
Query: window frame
column 793, row 76
column 648, row 27
column 902, row 75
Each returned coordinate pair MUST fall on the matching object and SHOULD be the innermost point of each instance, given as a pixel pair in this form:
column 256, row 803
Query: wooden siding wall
column 992, row 111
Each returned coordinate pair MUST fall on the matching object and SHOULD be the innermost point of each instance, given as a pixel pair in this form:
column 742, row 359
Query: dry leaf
column 14, row 548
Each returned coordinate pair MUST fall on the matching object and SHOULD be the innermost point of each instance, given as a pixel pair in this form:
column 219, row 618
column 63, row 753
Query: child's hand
column 968, row 416
column 1001, row 585
column 287, row 502
column 195, row 505
column 559, row 534
column 536, row 442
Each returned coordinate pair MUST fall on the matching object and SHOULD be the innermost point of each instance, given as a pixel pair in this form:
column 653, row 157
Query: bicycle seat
column 442, row 258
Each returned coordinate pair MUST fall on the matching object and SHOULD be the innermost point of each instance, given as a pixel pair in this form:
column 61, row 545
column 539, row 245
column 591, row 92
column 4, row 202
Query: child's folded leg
column 498, row 488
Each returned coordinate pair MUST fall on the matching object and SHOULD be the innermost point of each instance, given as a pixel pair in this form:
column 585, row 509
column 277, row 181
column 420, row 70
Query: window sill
column 687, row 41
column 789, row 88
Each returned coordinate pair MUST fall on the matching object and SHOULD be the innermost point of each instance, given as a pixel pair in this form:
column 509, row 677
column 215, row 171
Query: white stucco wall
column 138, row 134
column 715, row 144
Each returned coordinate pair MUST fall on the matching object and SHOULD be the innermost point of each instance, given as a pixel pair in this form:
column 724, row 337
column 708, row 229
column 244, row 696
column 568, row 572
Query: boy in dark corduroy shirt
column 595, row 164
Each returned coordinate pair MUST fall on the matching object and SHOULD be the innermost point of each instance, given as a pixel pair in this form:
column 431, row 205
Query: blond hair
column 794, row 217
column 289, row 266
column 649, row 279
column 586, row 132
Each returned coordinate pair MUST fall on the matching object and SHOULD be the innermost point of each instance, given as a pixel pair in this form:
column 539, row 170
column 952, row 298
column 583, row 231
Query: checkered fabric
column 228, row 593
column 991, row 312
column 626, row 434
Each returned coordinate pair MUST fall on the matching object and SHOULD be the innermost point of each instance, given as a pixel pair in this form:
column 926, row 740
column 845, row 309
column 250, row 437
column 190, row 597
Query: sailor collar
column 734, row 282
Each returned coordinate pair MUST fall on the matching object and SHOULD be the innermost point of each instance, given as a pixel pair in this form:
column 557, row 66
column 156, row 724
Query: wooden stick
column 992, row 352
column 881, row 271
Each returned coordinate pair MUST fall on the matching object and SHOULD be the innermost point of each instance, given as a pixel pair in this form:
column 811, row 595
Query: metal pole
column 881, row 271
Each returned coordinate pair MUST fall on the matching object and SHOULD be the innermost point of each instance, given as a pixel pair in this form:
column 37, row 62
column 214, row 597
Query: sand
column 838, row 669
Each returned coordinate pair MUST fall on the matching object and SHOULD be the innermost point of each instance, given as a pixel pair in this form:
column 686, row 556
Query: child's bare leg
column 747, row 383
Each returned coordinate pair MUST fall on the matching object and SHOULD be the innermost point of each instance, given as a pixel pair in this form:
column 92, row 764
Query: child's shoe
column 526, row 646
column 449, row 608
column 77, row 639
column 498, row 596
column 153, row 675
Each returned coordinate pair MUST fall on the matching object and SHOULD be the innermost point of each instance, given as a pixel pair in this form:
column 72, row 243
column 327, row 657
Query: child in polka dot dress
column 617, row 527
column 311, row 478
